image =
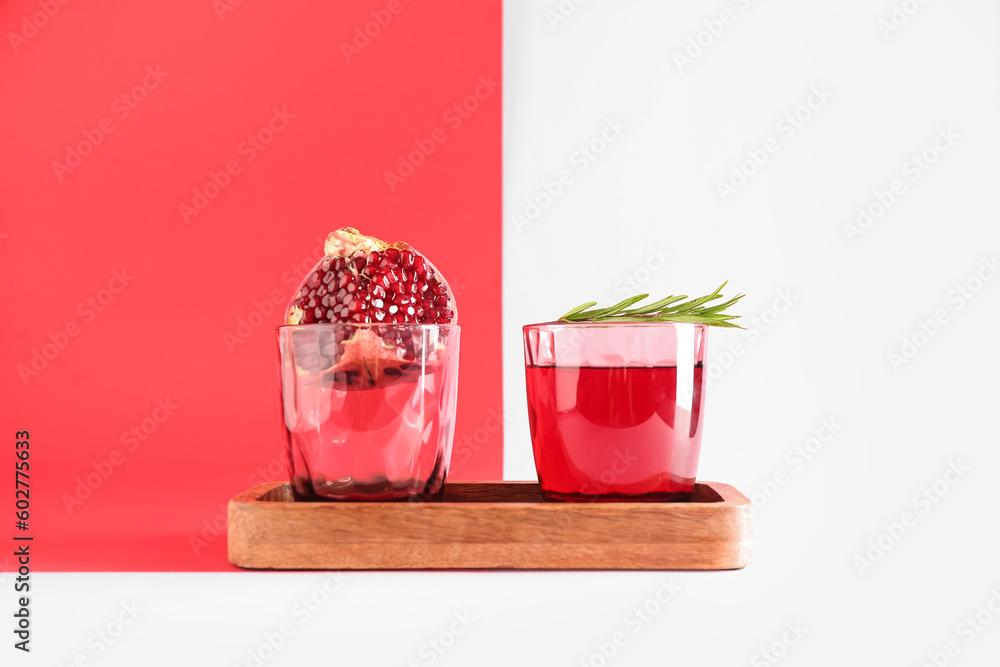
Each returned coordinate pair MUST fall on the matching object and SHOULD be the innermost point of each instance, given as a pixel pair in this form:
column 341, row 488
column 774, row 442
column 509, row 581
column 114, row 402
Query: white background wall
column 654, row 189
column 855, row 296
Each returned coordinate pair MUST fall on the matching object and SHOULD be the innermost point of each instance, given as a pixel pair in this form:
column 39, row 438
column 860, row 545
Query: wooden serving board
column 487, row 525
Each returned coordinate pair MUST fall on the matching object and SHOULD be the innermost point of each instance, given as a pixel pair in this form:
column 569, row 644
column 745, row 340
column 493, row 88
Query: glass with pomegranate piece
column 369, row 373
column 369, row 410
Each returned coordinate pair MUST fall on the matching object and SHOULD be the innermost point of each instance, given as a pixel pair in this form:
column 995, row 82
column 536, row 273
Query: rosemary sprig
column 665, row 310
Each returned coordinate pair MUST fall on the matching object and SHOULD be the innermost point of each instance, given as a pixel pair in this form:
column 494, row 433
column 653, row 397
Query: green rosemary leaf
column 692, row 305
column 695, row 319
column 653, row 307
column 670, row 309
column 599, row 313
column 618, row 307
column 578, row 309
column 722, row 306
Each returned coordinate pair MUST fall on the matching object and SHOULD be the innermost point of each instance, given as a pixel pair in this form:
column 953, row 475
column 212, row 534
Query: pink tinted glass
column 369, row 410
column 616, row 411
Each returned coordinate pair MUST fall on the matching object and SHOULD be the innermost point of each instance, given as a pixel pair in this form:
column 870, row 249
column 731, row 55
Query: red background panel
column 147, row 308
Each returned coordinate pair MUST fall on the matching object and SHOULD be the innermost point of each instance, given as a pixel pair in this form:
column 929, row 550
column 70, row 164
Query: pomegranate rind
column 347, row 242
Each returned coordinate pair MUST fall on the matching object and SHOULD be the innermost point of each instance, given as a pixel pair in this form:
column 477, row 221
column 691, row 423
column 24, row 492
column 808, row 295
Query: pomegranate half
column 375, row 285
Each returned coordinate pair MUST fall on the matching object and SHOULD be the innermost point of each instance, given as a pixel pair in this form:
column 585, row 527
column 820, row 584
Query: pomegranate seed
column 394, row 286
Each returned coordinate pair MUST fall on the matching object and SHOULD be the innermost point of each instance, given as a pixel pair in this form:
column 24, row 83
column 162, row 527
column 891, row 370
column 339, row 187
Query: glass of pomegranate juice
column 616, row 410
column 369, row 409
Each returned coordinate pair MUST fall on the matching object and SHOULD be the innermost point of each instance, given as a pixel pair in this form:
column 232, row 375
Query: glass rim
column 367, row 325
column 609, row 325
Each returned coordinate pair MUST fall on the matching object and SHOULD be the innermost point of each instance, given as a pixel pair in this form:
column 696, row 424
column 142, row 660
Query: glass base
column 656, row 497
column 379, row 489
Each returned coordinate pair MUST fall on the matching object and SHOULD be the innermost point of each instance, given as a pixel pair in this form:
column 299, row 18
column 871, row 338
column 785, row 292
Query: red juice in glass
column 615, row 410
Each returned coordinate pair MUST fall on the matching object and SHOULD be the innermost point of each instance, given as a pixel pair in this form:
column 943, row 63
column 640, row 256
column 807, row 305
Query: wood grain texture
column 487, row 525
